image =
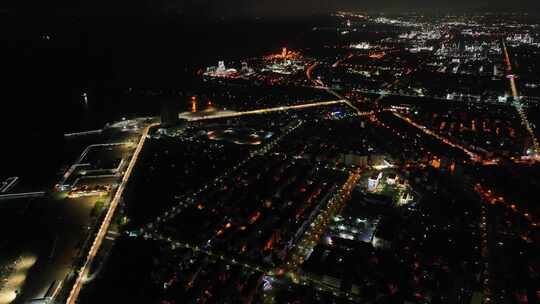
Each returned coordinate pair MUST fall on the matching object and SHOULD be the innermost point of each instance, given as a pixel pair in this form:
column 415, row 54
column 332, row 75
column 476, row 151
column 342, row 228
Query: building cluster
column 221, row 71
column 365, row 195
column 95, row 163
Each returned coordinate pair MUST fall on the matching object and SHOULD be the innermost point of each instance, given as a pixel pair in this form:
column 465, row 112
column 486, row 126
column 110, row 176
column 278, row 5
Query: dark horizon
column 209, row 9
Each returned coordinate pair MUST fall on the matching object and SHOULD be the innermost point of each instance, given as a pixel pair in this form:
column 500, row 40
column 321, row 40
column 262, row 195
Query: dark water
column 50, row 62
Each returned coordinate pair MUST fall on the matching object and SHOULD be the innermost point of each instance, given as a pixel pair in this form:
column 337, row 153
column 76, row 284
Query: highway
column 265, row 110
column 320, row 85
column 81, row 273
column 517, row 103
column 276, row 109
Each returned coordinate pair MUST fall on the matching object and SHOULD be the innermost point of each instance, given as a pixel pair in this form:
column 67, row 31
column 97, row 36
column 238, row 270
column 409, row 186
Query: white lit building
column 391, row 179
column 220, row 71
column 361, row 46
column 374, row 181
column 406, row 198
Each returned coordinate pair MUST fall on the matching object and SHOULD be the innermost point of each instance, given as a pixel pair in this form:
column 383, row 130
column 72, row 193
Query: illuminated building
column 391, row 179
column 193, row 104
column 361, row 46
column 374, row 180
column 221, row 67
column 246, row 70
column 405, row 198
column 285, row 54
column 381, row 243
column 220, row 71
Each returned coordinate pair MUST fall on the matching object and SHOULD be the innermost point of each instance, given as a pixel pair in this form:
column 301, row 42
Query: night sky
column 259, row 7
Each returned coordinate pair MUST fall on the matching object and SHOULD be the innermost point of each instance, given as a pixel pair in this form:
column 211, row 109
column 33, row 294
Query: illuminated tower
column 221, row 67
column 194, row 104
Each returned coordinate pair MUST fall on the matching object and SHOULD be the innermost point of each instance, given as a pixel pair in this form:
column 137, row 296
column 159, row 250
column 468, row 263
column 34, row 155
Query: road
column 517, row 100
column 311, row 238
column 309, row 75
column 278, row 109
column 308, row 241
column 320, row 85
column 269, row 110
column 187, row 200
column 473, row 156
column 73, row 295
column 319, row 225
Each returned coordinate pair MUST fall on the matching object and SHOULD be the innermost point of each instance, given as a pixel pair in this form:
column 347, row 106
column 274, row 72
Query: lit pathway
column 81, row 273
column 310, row 239
column 319, row 84
column 519, row 106
column 474, row 157
column 275, row 109
column 319, row 225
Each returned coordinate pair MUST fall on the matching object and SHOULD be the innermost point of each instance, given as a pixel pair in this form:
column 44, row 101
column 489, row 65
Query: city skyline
column 247, row 8
column 338, row 157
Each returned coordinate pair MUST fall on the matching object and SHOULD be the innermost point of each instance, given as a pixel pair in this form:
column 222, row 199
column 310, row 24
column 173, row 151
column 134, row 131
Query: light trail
column 517, row 104
column 486, row 271
column 310, row 238
column 309, row 71
column 320, row 84
column 474, row 157
column 320, row 224
column 490, row 198
column 73, row 295
column 277, row 109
